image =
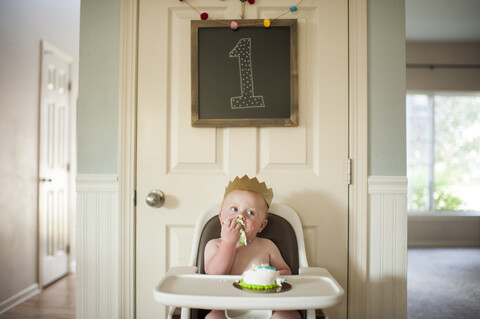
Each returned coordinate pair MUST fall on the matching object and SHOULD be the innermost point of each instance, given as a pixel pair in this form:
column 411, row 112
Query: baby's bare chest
column 247, row 255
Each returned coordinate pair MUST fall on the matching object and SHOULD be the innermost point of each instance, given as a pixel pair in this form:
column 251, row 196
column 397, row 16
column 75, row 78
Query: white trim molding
column 20, row 297
column 101, row 182
column 358, row 144
column 127, row 155
column 97, row 276
column 387, row 271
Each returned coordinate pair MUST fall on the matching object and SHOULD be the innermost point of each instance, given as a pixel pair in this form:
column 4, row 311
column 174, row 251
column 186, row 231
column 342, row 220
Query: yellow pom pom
column 266, row 23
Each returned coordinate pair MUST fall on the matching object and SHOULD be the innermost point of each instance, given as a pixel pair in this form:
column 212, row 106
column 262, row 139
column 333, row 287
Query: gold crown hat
column 250, row 184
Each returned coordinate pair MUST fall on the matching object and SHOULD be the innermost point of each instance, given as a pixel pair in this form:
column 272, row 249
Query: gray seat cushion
column 277, row 230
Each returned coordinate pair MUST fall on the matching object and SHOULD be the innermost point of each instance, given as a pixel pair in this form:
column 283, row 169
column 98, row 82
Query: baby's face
column 251, row 206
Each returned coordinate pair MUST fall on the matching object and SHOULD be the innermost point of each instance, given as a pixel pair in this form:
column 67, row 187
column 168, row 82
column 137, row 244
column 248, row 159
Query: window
column 443, row 152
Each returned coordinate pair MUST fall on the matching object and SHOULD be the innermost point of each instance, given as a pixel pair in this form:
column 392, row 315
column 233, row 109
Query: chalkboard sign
column 244, row 77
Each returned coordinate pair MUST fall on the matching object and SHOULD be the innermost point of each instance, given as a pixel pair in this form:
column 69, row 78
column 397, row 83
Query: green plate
column 285, row 287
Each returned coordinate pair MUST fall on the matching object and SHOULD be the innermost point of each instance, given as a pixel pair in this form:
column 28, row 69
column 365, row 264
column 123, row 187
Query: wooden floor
column 57, row 301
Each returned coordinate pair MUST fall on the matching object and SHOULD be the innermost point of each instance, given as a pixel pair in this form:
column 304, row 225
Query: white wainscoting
column 97, row 227
column 387, row 288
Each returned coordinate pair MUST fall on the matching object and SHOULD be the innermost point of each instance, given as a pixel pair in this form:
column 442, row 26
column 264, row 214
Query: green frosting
column 256, row 287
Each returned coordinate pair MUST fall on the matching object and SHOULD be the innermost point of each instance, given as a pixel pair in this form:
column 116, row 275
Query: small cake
column 261, row 277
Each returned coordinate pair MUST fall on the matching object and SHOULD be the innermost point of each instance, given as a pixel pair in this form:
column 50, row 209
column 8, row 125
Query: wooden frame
column 230, row 67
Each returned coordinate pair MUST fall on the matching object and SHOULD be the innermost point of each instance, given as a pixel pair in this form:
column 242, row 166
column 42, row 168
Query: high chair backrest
column 284, row 228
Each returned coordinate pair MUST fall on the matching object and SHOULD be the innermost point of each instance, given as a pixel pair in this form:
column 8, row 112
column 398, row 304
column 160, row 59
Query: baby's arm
column 220, row 253
column 219, row 257
column 276, row 260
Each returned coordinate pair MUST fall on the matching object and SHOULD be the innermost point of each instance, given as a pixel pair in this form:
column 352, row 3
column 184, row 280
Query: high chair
column 285, row 230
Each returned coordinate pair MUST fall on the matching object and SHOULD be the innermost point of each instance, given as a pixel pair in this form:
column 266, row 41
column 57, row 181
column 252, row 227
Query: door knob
column 155, row 198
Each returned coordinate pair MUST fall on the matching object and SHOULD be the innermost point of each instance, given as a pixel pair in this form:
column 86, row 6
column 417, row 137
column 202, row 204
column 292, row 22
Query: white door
column 305, row 165
column 53, row 164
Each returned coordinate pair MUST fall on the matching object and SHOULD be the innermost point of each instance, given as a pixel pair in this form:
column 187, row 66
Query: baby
column 248, row 200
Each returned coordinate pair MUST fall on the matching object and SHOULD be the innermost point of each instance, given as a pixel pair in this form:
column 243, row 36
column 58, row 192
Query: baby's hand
column 230, row 231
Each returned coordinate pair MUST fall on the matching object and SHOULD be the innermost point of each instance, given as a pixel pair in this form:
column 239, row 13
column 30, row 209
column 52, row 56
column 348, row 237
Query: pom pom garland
column 234, row 25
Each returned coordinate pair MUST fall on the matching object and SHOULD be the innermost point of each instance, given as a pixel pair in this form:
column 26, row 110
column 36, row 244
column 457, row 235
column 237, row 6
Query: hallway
column 57, row 301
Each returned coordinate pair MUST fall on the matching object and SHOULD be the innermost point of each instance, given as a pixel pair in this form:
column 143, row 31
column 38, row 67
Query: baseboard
column 20, row 297
column 443, row 243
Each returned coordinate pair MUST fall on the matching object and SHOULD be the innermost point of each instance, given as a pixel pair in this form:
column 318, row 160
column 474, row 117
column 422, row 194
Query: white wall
column 23, row 24
column 443, row 231
column 443, row 53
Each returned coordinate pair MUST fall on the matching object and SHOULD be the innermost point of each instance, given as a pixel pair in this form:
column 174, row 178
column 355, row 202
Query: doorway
column 443, row 116
column 54, row 164
column 311, row 157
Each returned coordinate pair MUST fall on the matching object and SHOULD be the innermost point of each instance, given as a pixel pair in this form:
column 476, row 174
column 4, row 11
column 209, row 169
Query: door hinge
column 69, row 86
column 135, row 198
column 67, row 250
column 349, row 171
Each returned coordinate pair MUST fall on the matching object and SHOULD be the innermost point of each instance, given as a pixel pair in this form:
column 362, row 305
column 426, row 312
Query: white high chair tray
column 314, row 288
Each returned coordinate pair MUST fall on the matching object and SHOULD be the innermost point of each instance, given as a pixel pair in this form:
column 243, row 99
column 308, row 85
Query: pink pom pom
column 234, row 25
column 204, row 16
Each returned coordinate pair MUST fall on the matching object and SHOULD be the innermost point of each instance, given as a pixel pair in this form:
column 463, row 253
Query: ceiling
column 442, row 20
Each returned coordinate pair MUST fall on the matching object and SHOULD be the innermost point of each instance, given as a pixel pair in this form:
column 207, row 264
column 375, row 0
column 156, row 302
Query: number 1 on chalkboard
column 242, row 51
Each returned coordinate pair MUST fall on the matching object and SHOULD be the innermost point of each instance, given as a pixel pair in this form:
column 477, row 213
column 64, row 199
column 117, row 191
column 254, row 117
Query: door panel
column 305, row 165
column 53, row 164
